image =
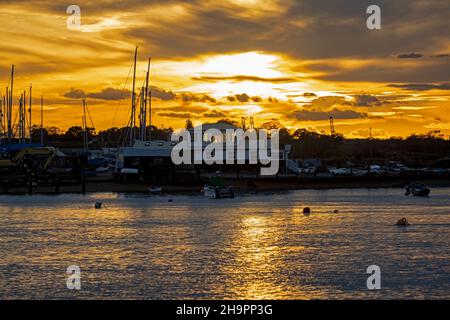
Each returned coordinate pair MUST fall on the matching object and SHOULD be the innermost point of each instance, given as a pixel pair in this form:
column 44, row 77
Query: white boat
column 102, row 169
column 129, row 171
column 155, row 189
column 218, row 192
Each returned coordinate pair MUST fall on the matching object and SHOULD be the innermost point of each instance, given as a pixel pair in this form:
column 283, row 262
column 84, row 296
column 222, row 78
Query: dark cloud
column 75, row 94
column 119, row 94
column 364, row 100
column 185, row 108
column 162, row 94
column 215, row 114
column 243, row 97
column 399, row 72
column 342, row 23
column 441, row 55
column 191, row 97
column 421, row 86
column 412, row 55
column 110, row 94
column 105, row 94
column 181, row 115
column 326, row 102
column 317, row 115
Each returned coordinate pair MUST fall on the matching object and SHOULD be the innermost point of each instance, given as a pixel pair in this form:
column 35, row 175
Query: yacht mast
column 133, row 101
column 29, row 112
column 1, row 119
column 10, row 98
column 85, row 136
column 42, row 120
column 146, row 102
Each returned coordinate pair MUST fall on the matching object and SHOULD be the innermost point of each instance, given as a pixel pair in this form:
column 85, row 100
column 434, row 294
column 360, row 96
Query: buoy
column 402, row 222
column 98, row 205
column 306, row 211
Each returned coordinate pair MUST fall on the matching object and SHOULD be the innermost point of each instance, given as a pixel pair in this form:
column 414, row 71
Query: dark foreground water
column 252, row 247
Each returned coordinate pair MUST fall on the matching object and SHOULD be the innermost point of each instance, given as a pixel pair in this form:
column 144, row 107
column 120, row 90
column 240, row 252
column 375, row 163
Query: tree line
column 416, row 149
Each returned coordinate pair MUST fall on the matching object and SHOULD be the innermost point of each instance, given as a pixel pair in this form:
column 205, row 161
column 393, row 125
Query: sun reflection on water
column 251, row 247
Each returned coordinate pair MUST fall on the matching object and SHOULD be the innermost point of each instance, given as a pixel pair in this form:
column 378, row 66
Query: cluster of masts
column 145, row 106
column 10, row 132
column 16, row 120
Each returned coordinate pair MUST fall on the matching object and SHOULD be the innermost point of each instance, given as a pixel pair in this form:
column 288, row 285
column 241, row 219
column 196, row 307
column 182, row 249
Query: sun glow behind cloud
column 250, row 63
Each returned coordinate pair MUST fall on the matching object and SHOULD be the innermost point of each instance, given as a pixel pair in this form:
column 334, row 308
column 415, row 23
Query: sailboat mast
column 24, row 116
column 20, row 117
column 1, row 120
column 29, row 112
column 133, row 100
column 10, row 98
column 150, row 114
column 42, row 120
column 6, row 113
column 142, row 115
column 146, row 100
column 85, row 139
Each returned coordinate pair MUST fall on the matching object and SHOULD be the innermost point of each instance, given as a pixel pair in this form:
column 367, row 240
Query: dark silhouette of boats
column 216, row 189
column 417, row 189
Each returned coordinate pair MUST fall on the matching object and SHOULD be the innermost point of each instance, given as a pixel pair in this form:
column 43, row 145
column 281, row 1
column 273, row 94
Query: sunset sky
column 295, row 61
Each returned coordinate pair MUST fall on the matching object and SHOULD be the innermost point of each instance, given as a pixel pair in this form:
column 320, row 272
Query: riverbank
column 243, row 185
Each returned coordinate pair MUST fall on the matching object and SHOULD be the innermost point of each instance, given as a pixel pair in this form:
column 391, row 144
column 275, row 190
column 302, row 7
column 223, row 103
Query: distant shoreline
column 245, row 185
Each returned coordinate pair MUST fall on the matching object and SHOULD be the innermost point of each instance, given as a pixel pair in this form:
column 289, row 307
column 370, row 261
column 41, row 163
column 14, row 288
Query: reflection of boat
column 417, row 190
column 155, row 189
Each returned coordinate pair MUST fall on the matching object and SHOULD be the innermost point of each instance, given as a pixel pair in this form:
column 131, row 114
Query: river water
column 256, row 246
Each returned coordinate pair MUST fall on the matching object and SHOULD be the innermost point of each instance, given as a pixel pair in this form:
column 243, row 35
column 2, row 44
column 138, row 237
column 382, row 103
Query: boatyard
column 82, row 160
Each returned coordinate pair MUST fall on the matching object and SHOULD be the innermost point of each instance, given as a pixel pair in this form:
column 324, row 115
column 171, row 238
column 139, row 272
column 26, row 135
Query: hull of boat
column 421, row 193
column 218, row 192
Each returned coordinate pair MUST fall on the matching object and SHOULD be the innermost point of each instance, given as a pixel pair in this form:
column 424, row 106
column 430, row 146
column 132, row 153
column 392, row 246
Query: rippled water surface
column 257, row 246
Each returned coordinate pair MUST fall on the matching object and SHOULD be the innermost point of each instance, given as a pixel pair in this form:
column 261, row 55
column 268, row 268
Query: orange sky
column 295, row 61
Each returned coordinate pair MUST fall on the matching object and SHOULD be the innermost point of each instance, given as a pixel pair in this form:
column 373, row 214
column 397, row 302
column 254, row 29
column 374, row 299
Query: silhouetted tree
column 189, row 124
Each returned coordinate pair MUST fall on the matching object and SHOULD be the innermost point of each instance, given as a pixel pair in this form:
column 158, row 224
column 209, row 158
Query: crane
column 243, row 124
column 333, row 132
column 252, row 123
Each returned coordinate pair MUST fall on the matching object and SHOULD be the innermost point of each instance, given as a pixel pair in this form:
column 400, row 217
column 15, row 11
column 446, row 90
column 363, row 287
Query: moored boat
column 212, row 192
column 417, row 190
column 155, row 189
column 216, row 189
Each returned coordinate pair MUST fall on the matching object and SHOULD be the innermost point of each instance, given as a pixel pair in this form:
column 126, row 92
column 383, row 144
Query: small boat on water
column 216, row 189
column 218, row 192
column 417, row 189
column 155, row 189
